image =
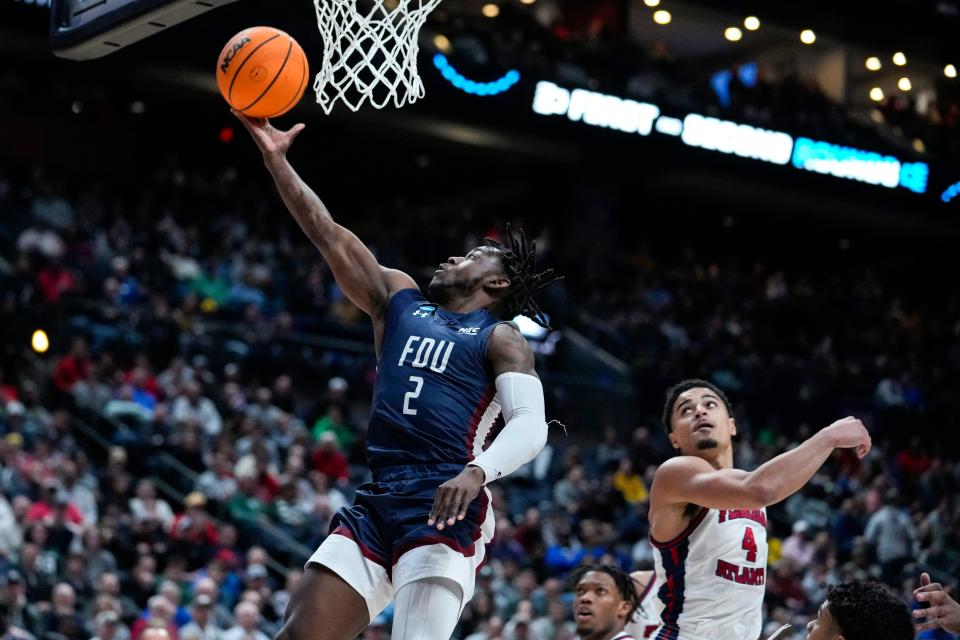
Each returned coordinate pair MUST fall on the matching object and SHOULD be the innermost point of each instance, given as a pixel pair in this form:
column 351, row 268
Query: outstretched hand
column 849, row 433
column 271, row 141
column 454, row 497
column 943, row 612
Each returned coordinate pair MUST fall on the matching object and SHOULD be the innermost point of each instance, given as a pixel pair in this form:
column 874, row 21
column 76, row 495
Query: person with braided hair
column 449, row 365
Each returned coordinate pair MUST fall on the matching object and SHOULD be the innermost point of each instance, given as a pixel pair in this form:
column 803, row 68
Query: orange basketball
column 262, row 72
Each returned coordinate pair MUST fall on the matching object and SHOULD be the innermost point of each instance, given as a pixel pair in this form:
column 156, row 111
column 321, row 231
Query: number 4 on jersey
column 749, row 545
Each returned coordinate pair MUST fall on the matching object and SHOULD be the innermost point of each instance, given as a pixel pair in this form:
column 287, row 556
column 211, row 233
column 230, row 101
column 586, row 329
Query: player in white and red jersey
column 646, row 619
column 708, row 523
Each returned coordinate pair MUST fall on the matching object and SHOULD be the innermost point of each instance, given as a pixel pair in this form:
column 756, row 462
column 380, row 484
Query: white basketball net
column 370, row 51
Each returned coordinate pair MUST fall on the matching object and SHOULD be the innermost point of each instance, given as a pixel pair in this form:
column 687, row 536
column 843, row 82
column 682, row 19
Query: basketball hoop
column 370, row 51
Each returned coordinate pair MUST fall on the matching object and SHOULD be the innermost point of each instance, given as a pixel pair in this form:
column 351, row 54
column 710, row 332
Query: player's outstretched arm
column 944, row 611
column 363, row 280
column 692, row 480
column 523, row 436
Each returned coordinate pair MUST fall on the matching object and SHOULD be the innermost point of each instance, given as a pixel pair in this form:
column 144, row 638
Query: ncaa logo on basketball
column 227, row 59
column 470, row 331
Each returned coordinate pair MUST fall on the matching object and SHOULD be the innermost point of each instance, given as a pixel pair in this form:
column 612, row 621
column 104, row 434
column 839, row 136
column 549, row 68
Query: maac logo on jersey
column 424, row 310
column 470, row 331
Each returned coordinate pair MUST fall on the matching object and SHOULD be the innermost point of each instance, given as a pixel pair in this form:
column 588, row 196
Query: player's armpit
column 688, row 479
column 508, row 351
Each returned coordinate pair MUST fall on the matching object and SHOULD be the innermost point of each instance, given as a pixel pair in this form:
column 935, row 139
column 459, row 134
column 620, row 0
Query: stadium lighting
column 733, row 34
column 39, row 341
column 873, row 63
column 899, row 59
column 527, row 1
column 441, row 42
column 807, row 36
column 752, row 23
column 876, row 94
column 652, row 3
column 662, row 17
column 904, row 84
column 490, row 10
column 950, row 71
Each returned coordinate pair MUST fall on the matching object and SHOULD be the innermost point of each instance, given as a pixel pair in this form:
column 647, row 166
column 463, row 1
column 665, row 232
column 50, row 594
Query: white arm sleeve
column 525, row 432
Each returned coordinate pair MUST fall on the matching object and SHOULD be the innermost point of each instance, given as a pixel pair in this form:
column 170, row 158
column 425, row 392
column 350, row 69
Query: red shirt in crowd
column 330, row 463
column 40, row 511
column 71, row 370
column 53, row 282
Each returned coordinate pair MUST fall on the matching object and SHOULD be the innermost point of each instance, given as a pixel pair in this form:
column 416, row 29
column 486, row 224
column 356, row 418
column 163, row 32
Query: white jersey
column 646, row 620
column 712, row 577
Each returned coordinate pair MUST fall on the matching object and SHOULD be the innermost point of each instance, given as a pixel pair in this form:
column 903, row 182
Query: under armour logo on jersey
column 424, row 311
column 470, row 331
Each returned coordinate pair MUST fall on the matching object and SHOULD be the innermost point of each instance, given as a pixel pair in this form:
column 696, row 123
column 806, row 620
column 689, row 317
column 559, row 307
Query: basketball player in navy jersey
column 708, row 520
column 448, row 366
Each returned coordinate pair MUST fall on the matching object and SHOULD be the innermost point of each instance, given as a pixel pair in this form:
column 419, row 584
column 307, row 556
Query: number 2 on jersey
column 413, row 395
column 749, row 544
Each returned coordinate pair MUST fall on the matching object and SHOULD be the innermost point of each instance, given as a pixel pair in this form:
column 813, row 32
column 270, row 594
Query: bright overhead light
column 490, row 10
column 442, row 43
column 652, row 3
column 873, row 63
column 527, row 1
column 807, row 36
column 904, row 84
column 39, row 341
column 950, row 71
column 899, row 59
column 733, row 34
column 752, row 23
column 876, row 94
column 919, row 146
column 662, row 17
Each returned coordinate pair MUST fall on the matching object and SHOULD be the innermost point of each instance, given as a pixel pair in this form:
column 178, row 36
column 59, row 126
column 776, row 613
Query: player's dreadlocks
column 519, row 264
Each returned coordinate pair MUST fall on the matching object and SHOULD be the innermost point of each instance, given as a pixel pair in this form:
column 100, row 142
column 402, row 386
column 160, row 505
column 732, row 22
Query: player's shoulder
column 508, row 350
column 643, row 579
column 682, row 466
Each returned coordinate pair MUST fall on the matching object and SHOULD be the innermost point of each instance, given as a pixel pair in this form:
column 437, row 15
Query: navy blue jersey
column 434, row 399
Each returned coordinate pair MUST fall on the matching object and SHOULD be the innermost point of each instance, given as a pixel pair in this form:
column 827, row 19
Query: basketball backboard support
column 87, row 29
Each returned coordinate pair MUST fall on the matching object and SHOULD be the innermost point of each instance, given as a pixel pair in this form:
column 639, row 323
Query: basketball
column 262, row 72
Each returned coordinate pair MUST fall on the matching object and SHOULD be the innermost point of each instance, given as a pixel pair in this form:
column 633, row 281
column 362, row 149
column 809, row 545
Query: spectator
column 894, row 537
column 149, row 509
column 107, row 623
column 194, row 530
column 192, row 406
column 160, row 614
column 798, row 548
column 74, row 367
column 248, row 618
column 329, row 460
column 62, row 618
column 202, row 625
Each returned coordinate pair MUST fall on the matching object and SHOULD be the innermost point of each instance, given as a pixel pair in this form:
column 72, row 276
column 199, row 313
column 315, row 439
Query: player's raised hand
column 454, row 497
column 271, row 141
column 849, row 433
column 943, row 612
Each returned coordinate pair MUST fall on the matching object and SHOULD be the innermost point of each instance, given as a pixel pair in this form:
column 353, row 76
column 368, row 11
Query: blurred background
column 759, row 195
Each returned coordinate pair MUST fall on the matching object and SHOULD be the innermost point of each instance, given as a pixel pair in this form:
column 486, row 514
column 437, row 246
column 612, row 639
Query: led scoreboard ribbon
column 723, row 136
